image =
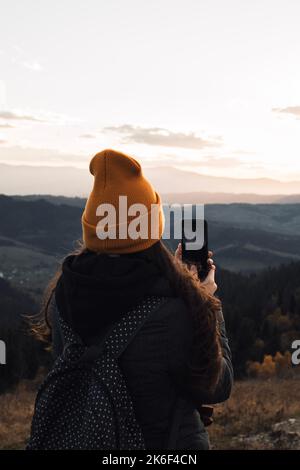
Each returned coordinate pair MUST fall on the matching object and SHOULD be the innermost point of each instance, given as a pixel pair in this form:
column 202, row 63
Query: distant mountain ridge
column 229, row 198
column 71, row 181
column 187, row 181
column 181, row 198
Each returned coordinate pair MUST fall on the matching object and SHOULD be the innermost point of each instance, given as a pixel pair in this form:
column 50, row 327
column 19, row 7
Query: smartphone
column 197, row 256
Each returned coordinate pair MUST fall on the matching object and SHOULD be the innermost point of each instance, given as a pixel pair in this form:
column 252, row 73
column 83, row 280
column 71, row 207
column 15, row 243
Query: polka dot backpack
column 84, row 402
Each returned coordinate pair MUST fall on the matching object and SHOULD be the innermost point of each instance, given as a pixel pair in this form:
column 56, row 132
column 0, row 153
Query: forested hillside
column 24, row 355
column 262, row 314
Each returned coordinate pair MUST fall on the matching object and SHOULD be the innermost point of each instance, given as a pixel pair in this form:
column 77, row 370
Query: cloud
column 18, row 48
column 32, row 155
column 19, row 116
column 2, row 141
column 162, row 137
column 241, row 152
column 208, row 161
column 30, row 65
column 294, row 110
column 41, row 116
column 5, row 125
column 2, row 94
column 225, row 162
column 21, row 58
column 88, row 136
column 34, row 65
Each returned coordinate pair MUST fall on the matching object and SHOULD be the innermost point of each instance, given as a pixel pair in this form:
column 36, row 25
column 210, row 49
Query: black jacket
column 88, row 295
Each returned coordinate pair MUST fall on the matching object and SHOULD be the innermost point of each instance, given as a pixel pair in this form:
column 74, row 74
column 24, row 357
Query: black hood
column 95, row 290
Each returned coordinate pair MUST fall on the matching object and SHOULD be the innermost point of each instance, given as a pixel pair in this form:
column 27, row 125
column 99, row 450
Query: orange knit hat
column 117, row 174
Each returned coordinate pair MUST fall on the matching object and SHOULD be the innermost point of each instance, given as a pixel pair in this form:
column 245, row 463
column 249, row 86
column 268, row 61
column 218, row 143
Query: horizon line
column 260, row 178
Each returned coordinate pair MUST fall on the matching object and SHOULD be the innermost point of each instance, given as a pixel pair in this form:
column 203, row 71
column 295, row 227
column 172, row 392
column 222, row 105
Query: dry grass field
column 16, row 411
column 255, row 405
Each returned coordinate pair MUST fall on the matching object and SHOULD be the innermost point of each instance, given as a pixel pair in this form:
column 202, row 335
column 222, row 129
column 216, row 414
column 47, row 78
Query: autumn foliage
column 279, row 365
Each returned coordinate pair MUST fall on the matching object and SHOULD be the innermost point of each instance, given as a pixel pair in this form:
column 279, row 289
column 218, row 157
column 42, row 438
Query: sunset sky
column 211, row 86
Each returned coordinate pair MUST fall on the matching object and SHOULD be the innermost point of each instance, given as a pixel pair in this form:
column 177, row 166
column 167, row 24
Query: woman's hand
column 209, row 282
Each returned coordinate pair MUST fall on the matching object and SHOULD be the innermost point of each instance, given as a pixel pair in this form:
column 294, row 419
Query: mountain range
column 36, row 232
column 172, row 183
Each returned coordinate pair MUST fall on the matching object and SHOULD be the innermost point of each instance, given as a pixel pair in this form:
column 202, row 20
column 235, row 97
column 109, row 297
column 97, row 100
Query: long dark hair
column 205, row 360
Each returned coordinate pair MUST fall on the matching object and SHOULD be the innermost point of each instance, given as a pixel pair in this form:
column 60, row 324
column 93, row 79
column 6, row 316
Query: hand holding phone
column 209, row 280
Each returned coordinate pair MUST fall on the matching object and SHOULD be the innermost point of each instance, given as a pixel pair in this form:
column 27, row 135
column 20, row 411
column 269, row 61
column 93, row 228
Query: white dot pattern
column 86, row 404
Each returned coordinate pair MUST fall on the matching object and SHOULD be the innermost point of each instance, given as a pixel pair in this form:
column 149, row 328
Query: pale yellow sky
column 206, row 85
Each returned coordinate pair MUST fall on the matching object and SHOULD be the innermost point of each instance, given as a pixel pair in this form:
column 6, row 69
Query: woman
column 182, row 349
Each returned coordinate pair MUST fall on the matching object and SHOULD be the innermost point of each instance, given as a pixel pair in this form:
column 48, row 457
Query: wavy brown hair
column 205, row 360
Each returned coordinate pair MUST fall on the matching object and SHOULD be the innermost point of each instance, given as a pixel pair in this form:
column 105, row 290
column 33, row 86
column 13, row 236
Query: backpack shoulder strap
column 119, row 335
column 125, row 329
